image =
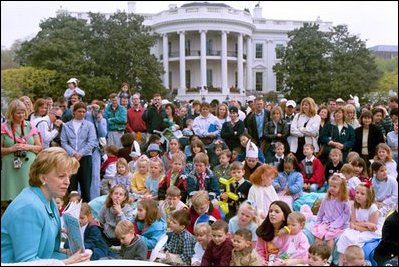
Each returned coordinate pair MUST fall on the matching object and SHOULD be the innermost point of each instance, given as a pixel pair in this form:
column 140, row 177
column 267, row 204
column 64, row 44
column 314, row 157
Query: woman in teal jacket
column 31, row 226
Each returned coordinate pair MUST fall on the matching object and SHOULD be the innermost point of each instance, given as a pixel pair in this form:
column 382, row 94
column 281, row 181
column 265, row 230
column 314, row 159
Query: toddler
column 223, row 169
column 293, row 249
column 156, row 175
column 108, row 168
column 319, row 255
column 289, row 182
column 132, row 246
column 123, row 175
column 202, row 232
column 334, row 164
column 278, row 156
column 133, row 162
column 243, row 253
column 360, row 168
column 351, row 180
column 140, row 175
column 354, row 256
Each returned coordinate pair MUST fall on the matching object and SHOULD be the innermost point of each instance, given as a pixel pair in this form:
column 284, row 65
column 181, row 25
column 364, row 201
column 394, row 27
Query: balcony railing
column 197, row 53
column 213, row 53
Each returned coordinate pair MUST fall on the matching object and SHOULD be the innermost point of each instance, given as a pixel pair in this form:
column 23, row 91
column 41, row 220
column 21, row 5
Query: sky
column 372, row 21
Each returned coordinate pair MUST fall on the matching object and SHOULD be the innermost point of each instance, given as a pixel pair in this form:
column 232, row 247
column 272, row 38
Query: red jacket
column 317, row 176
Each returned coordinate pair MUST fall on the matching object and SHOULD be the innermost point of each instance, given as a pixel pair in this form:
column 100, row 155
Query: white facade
column 212, row 51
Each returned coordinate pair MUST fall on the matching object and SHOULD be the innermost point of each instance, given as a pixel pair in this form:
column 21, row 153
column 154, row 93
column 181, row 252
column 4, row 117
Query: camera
column 20, row 154
column 17, row 163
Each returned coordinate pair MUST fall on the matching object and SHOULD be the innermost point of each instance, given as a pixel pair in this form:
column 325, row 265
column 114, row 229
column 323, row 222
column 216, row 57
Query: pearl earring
column 44, row 183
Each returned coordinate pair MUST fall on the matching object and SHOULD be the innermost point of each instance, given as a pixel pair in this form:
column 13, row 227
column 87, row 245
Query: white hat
column 340, row 100
column 73, row 80
column 283, row 100
column 165, row 101
column 251, row 98
column 251, row 150
column 290, row 103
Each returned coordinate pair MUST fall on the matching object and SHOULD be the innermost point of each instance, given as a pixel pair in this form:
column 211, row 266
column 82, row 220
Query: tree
column 101, row 54
column 28, row 81
column 325, row 64
column 8, row 60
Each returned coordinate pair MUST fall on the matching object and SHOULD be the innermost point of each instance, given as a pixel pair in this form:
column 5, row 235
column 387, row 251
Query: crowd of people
column 224, row 182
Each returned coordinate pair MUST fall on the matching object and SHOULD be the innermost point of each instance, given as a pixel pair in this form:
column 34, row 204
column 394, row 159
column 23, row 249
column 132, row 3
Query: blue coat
column 153, row 233
column 30, row 228
column 293, row 181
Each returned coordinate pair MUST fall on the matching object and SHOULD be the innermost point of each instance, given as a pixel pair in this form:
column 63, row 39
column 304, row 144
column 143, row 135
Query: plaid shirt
column 182, row 244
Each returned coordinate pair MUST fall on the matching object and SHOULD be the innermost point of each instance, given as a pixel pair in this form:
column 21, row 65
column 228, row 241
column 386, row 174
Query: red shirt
column 135, row 123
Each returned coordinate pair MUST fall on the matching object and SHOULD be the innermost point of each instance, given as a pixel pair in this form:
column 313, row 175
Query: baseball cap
column 340, row 100
column 290, row 103
column 251, row 98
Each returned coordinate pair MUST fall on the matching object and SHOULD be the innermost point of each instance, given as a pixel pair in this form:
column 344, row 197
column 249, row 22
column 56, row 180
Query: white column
column 165, row 61
column 203, row 58
column 249, row 64
column 182, row 60
column 240, row 67
column 224, row 64
column 271, row 78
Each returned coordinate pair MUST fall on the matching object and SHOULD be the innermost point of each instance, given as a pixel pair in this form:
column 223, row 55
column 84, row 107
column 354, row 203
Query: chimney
column 131, row 7
column 257, row 12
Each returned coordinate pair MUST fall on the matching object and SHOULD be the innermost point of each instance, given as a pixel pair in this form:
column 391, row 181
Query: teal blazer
column 30, row 228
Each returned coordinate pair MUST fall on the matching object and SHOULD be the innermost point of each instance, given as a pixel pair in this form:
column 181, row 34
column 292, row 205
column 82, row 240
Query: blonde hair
column 251, row 208
column 199, row 198
column 312, row 108
column 298, row 217
column 123, row 227
column 370, row 194
column 343, row 190
column 122, row 161
column 202, row 229
column 15, row 105
column 353, row 252
column 158, row 161
column 201, row 158
column 386, row 148
column 49, row 159
column 347, row 168
column 86, row 210
column 336, row 151
column 173, row 191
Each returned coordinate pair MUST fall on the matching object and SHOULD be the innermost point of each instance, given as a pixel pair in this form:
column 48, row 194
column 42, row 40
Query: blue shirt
column 259, row 122
column 30, row 228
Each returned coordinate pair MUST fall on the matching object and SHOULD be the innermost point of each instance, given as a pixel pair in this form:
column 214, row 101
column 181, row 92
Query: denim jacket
column 83, row 143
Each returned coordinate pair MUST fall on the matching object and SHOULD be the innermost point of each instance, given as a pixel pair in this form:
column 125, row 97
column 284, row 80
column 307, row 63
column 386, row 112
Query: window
column 279, row 51
column 259, row 51
column 235, row 79
column 170, row 80
column 259, row 81
column 188, row 79
column 169, row 48
column 188, row 47
column 209, row 46
column 209, row 79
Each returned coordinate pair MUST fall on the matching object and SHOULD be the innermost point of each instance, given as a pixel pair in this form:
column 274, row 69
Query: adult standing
column 95, row 116
column 40, row 109
column 304, row 128
column 256, row 121
column 350, row 116
column 367, row 137
column 49, row 126
column 31, row 225
column 276, row 130
column 135, row 123
column 337, row 134
column 233, row 129
column 78, row 138
column 20, row 142
column 154, row 114
column 116, row 116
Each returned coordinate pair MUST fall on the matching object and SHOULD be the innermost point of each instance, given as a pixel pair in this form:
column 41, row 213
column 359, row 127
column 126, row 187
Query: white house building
column 213, row 51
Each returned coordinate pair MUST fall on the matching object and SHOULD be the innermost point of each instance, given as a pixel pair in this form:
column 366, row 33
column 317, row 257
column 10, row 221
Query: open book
column 71, row 223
